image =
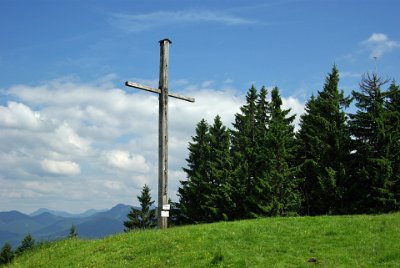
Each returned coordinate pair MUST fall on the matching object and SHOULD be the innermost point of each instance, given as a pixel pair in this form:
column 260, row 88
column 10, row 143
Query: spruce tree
column 283, row 183
column 373, row 180
column 307, row 157
column 195, row 192
column 324, row 151
column 6, row 254
column 220, row 164
column 175, row 217
column 27, row 243
column 72, row 232
column 142, row 218
column 244, row 154
column 262, row 187
column 392, row 106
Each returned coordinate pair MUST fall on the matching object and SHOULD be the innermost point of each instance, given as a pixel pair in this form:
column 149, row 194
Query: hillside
column 14, row 225
column 333, row 241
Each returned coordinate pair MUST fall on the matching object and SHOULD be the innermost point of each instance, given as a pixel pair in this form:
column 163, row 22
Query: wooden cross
column 162, row 91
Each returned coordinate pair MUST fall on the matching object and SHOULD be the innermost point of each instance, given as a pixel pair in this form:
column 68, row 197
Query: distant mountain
column 118, row 212
column 64, row 214
column 45, row 224
column 10, row 216
column 17, row 222
column 46, row 218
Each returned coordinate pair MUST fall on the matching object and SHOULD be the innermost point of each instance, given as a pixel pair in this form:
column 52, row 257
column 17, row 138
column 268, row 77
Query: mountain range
column 47, row 225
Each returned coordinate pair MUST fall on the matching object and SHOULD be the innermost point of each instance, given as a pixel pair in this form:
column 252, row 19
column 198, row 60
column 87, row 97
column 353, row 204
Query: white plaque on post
column 166, row 207
column 164, row 213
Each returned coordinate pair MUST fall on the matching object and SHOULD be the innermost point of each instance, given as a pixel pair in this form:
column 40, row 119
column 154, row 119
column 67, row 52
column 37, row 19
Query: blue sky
column 73, row 137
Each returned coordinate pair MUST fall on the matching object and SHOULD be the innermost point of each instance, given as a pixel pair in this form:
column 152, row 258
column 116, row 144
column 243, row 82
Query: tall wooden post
column 163, row 134
column 162, row 91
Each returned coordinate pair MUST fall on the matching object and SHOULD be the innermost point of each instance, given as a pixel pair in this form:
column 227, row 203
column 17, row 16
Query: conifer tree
column 392, row 106
column 281, row 176
column 6, row 254
column 244, row 153
column 195, row 193
column 307, row 157
column 220, row 164
column 175, row 217
column 26, row 244
column 324, row 150
column 262, row 187
column 72, row 232
column 142, row 218
column 373, row 180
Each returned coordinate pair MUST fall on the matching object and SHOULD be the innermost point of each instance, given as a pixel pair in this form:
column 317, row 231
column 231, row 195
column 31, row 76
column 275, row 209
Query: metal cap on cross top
column 163, row 93
column 165, row 39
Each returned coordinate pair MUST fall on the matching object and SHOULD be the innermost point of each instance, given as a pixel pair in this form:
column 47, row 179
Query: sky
column 73, row 137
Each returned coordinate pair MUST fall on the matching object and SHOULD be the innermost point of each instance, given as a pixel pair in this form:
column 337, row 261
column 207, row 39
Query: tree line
column 336, row 163
column 7, row 254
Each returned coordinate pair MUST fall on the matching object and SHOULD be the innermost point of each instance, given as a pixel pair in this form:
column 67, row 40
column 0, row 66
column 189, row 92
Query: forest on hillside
column 336, row 163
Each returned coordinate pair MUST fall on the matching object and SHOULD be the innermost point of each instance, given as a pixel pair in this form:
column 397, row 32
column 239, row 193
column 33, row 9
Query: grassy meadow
column 326, row 241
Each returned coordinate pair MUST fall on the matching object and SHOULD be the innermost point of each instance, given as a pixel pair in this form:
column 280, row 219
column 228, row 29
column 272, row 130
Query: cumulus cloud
column 43, row 187
column 60, row 167
column 18, row 115
column 113, row 185
column 127, row 161
column 97, row 143
column 379, row 44
column 296, row 106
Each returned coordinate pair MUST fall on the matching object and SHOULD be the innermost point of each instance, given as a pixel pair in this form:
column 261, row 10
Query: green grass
column 334, row 241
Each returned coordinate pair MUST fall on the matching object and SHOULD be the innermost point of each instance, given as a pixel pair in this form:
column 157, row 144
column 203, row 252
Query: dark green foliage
column 175, row 215
column 373, row 172
column 281, row 175
column 72, row 232
column 245, row 148
column 27, row 243
column 245, row 174
column 335, row 164
column 220, row 165
column 206, row 195
column 324, row 151
column 392, row 106
column 6, row 254
column 196, row 191
column 142, row 218
column 260, row 200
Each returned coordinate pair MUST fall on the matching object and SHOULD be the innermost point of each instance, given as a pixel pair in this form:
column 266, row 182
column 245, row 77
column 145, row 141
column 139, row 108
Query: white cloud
column 379, row 44
column 60, row 167
column 228, row 81
column 141, row 22
column 296, row 107
column 207, row 84
column 66, row 137
column 179, row 82
column 18, row 115
column 104, row 140
column 113, row 185
column 43, row 187
column 127, row 161
column 350, row 74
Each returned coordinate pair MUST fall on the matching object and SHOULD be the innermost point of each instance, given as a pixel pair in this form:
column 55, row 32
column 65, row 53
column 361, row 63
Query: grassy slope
column 345, row 241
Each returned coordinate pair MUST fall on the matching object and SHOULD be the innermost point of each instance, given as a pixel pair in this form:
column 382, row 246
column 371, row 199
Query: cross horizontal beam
column 158, row 91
